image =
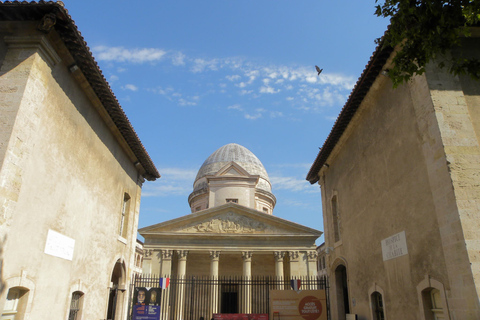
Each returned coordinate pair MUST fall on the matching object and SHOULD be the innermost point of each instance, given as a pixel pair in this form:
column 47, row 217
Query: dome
column 239, row 154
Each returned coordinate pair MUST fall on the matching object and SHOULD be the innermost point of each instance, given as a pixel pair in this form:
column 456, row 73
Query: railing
column 196, row 297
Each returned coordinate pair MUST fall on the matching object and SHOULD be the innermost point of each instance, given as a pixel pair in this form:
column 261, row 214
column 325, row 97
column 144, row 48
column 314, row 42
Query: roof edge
column 84, row 60
column 363, row 85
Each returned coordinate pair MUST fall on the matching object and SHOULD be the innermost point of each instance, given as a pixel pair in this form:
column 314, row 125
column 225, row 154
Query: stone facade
column 400, row 193
column 70, row 178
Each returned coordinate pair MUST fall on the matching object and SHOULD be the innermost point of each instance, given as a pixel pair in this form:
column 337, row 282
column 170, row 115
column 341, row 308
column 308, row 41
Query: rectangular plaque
column 59, row 245
column 298, row 305
column 394, row 246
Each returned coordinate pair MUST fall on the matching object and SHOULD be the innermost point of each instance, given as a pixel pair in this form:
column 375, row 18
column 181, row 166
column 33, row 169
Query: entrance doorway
column 229, row 298
column 115, row 297
column 341, row 286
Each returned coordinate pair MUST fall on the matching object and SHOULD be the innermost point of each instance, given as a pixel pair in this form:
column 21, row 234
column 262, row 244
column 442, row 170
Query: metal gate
column 198, row 297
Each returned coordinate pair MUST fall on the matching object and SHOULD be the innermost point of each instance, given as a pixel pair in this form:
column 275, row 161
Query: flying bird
column 318, row 70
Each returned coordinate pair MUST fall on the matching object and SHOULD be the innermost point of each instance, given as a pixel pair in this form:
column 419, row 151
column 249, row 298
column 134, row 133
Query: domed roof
column 239, row 154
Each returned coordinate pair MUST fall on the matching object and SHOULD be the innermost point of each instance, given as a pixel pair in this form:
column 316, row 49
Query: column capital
column 279, row 255
column 293, row 255
column 147, row 253
column 182, row 254
column 312, row 255
column 166, row 254
column 214, row 255
column 247, row 255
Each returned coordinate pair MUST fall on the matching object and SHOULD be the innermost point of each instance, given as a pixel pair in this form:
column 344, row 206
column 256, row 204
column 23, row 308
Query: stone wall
column 62, row 170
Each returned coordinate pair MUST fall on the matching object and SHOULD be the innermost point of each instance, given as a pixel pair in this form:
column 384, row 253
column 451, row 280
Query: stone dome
column 239, row 154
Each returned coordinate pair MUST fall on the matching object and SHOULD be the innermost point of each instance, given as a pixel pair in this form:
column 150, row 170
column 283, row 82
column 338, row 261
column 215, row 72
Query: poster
column 303, row 305
column 146, row 303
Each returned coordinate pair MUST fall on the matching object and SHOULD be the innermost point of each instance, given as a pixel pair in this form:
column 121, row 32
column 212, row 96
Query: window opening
column 377, row 302
column 336, row 219
column 75, row 305
column 124, row 219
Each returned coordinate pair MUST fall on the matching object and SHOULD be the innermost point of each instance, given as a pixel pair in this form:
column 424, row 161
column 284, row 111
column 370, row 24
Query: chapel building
column 231, row 230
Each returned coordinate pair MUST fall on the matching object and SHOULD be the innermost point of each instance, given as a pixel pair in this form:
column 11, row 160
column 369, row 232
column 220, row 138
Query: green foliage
column 426, row 29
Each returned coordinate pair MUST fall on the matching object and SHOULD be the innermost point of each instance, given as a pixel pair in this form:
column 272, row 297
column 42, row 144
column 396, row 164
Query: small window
column 377, row 305
column 336, row 219
column 124, row 218
column 15, row 303
column 434, row 305
column 198, row 208
column 232, row 200
column 265, row 210
column 75, row 305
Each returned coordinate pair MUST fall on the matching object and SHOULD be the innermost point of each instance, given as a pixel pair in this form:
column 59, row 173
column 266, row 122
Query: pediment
column 232, row 169
column 230, row 219
column 229, row 222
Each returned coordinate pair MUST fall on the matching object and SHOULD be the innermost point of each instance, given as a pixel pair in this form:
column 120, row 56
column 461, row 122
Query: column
column 165, row 271
column 294, row 267
column 181, row 273
column 247, row 275
column 214, row 258
column 312, row 257
column 279, row 274
column 182, row 263
column 166, row 267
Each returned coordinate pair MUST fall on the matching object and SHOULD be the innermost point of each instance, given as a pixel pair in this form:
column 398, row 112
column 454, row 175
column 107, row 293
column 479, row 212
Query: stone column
column 214, row 258
column 279, row 274
column 294, row 263
column 182, row 263
column 165, row 271
column 247, row 275
column 312, row 257
column 181, row 273
column 166, row 268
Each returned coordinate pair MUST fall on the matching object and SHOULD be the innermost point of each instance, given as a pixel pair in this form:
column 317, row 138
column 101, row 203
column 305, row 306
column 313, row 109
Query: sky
column 193, row 76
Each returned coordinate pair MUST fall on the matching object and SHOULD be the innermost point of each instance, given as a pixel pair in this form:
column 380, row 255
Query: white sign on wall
column 59, row 245
column 394, row 246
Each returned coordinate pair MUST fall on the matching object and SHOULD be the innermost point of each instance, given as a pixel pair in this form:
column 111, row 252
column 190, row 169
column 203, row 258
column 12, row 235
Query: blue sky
column 193, row 76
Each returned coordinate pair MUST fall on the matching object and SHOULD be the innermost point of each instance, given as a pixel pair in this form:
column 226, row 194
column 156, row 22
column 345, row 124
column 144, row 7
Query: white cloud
column 290, row 183
column 130, row 87
column 235, row 107
column 244, row 92
column 179, row 174
column 276, row 114
column 113, row 78
column 121, row 54
column 164, row 190
column 199, row 65
column 268, row 90
column 178, row 59
column 306, row 88
column 175, row 181
column 233, row 77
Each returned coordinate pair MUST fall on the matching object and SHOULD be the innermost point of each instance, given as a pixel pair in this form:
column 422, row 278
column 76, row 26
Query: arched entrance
column 341, row 288
column 117, row 290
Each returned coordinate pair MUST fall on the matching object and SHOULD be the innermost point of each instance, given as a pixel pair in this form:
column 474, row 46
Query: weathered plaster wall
column 62, row 170
column 379, row 175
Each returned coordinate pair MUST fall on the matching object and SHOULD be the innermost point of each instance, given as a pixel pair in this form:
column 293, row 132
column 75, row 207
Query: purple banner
column 146, row 312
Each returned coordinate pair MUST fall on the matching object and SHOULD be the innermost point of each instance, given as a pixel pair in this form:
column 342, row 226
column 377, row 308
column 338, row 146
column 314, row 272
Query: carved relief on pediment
column 230, row 223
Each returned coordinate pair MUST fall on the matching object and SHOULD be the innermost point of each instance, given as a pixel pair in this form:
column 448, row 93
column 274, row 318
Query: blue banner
column 141, row 312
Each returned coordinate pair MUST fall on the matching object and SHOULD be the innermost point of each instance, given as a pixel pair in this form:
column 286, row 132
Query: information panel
column 292, row 305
